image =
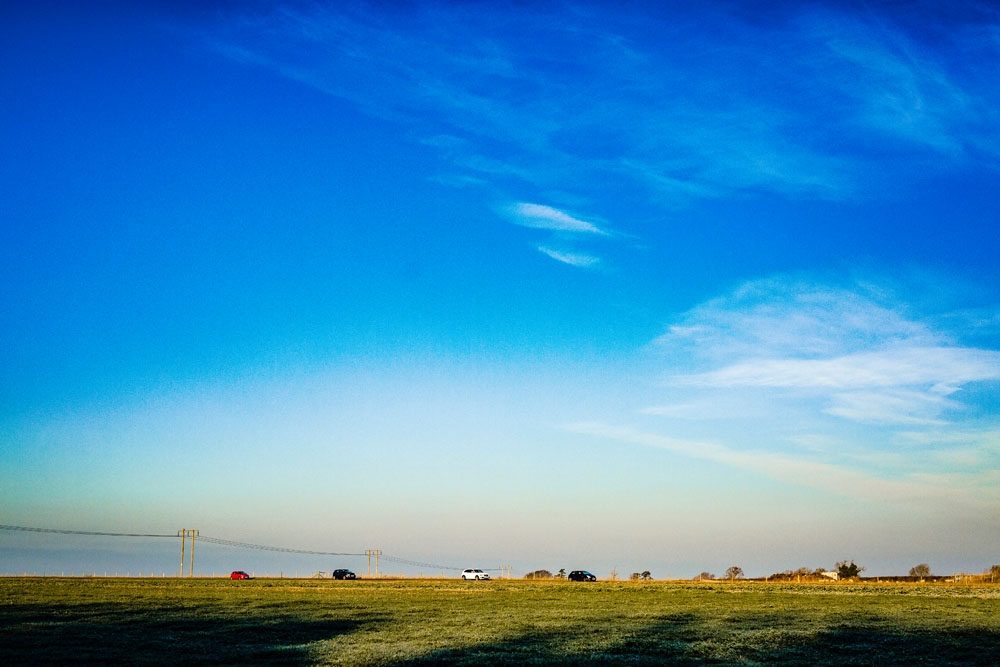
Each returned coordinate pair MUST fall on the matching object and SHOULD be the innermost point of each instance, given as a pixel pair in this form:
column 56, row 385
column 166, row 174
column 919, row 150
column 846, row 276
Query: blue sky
column 590, row 285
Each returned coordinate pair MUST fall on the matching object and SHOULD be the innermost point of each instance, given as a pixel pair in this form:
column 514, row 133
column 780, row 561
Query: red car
column 239, row 574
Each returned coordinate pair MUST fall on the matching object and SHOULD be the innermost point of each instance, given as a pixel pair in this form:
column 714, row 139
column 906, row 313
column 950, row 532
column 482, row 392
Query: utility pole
column 191, row 567
column 370, row 553
column 184, row 533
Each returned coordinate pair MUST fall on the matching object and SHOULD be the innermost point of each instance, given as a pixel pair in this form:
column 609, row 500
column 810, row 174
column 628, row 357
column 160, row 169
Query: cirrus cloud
column 595, row 97
column 546, row 217
column 864, row 358
column 566, row 229
column 571, row 258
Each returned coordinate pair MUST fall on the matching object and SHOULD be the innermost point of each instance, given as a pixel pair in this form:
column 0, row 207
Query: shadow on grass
column 286, row 634
column 105, row 634
column 686, row 639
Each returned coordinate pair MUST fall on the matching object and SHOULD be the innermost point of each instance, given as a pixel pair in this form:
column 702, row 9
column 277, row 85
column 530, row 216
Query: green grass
column 425, row 622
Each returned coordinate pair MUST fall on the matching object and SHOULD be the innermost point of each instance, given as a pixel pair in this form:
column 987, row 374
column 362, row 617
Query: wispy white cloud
column 906, row 89
column 942, row 369
column 587, row 97
column 891, row 406
column 799, row 471
column 571, row 258
column 846, row 388
column 988, row 440
column 546, row 217
column 566, row 227
column 797, row 318
column 863, row 360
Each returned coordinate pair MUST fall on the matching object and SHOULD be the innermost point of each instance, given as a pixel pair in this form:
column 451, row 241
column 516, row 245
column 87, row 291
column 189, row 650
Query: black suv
column 344, row 574
column 581, row 575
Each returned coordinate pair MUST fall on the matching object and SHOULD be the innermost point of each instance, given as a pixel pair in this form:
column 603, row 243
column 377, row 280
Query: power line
column 80, row 532
column 241, row 545
column 429, row 566
column 263, row 547
column 212, row 540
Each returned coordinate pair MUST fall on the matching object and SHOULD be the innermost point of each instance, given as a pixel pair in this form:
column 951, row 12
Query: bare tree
column 734, row 573
column 705, row 576
column 922, row 570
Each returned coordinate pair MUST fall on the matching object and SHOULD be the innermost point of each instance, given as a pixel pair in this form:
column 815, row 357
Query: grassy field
column 425, row 622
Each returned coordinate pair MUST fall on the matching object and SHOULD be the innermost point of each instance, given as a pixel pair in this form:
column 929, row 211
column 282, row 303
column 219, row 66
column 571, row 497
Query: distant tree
column 705, row 576
column 646, row 576
column 635, row 576
column 922, row 570
column 848, row 570
column 561, row 574
column 994, row 573
column 734, row 573
column 539, row 574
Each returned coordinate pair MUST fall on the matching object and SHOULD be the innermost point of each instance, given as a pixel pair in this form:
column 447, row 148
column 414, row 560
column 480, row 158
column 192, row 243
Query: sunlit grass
column 403, row 622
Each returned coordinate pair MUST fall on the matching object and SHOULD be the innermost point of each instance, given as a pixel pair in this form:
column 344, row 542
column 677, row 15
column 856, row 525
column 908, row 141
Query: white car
column 475, row 574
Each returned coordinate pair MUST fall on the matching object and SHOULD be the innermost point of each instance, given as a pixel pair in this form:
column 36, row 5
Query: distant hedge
column 539, row 574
